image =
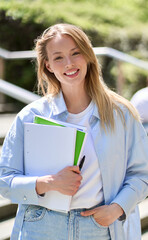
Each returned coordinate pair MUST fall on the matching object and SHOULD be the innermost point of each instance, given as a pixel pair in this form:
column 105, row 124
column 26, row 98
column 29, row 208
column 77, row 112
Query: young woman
column 114, row 177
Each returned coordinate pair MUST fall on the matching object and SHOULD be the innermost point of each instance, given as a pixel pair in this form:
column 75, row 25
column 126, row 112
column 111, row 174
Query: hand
column 66, row 181
column 106, row 214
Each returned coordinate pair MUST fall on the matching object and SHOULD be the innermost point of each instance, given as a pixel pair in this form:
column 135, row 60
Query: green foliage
column 118, row 24
column 20, row 72
column 95, row 14
column 111, row 20
column 134, row 78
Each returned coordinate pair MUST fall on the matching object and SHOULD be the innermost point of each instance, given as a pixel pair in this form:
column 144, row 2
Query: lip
column 72, row 73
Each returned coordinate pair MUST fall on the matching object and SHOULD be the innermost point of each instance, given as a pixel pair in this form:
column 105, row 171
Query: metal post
column 120, row 79
column 2, row 72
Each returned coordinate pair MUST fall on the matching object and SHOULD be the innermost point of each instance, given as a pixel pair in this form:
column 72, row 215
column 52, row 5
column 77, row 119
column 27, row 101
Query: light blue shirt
column 122, row 156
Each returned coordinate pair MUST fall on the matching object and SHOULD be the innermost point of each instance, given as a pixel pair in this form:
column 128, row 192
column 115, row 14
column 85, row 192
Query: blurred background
column 122, row 25
column 110, row 24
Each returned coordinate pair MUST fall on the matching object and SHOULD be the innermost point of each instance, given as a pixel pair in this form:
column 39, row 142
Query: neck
column 76, row 100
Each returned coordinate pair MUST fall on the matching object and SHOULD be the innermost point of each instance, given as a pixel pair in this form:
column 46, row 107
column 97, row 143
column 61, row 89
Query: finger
column 75, row 169
column 88, row 212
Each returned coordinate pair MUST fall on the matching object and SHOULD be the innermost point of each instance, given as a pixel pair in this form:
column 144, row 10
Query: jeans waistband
column 83, row 209
column 78, row 210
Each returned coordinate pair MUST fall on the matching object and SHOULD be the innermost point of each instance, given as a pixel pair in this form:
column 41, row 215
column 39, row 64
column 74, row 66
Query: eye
column 57, row 58
column 76, row 53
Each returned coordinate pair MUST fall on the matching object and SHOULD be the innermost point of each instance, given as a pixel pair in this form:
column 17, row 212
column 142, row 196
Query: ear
column 48, row 66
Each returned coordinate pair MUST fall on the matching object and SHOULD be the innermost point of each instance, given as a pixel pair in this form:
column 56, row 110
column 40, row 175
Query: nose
column 69, row 63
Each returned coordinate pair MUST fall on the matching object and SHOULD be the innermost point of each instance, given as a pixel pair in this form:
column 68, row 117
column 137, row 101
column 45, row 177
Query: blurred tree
column 118, row 24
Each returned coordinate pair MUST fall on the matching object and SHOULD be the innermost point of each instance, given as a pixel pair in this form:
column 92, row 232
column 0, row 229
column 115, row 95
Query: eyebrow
column 61, row 52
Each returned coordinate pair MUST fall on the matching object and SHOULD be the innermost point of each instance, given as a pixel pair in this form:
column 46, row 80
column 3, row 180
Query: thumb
column 75, row 169
column 88, row 212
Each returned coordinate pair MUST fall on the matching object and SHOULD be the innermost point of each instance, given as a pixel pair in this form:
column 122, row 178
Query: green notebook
column 80, row 135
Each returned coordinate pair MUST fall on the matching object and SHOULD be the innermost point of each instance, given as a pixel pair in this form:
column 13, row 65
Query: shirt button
column 25, row 198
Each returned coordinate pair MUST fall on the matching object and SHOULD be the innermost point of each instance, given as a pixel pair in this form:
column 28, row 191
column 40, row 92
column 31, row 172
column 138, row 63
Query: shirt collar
column 58, row 104
column 96, row 112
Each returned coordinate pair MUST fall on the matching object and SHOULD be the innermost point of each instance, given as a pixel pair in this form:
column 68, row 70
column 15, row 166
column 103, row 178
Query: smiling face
column 66, row 61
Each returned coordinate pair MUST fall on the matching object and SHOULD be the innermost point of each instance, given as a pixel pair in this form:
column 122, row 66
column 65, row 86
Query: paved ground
column 145, row 236
column 143, row 208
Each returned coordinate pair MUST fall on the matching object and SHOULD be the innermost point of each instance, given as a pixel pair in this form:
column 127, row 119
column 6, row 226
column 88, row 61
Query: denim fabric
column 41, row 223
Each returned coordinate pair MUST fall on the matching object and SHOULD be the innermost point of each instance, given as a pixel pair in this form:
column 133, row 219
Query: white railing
column 27, row 97
column 16, row 54
column 99, row 51
column 17, row 92
column 110, row 52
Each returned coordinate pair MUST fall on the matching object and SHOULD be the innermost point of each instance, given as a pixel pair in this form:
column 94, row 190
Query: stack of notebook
column 49, row 146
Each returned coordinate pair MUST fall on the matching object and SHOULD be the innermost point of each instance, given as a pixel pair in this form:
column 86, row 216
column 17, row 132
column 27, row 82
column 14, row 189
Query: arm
column 66, row 181
column 135, row 185
column 14, row 185
column 25, row 189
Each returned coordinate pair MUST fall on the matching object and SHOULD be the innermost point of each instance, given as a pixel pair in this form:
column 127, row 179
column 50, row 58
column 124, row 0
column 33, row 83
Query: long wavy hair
column 106, row 100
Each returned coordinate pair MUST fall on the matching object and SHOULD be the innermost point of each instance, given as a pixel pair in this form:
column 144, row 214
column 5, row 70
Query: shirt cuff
column 23, row 190
column 126, row 199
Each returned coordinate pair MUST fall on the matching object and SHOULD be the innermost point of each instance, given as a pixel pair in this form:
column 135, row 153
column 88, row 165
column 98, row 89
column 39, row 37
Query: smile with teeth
column 71, row 73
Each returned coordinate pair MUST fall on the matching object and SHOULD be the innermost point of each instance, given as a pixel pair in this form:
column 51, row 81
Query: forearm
column 66, row 181
column 45, row 184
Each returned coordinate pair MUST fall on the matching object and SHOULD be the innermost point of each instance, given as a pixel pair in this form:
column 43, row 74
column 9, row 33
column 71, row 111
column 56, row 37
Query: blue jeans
column 43, row 224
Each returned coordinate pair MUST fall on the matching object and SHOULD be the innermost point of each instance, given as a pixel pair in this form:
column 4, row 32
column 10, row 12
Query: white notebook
column 47, row 150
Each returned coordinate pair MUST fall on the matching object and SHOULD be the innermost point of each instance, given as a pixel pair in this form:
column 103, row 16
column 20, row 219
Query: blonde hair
column 106, row 100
